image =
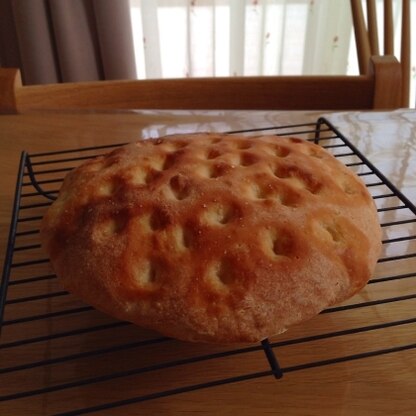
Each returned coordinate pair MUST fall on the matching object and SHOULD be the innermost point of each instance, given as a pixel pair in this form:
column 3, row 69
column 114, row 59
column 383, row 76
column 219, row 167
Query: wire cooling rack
column 58, row 351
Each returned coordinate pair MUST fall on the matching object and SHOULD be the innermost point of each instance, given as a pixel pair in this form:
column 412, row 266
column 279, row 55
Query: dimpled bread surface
column 213, row 237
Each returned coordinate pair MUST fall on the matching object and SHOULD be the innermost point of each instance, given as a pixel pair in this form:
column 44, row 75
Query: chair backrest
column 367, row 43
column 377, row 89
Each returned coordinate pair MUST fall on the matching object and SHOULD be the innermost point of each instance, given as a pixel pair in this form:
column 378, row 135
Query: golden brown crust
column 215, row 238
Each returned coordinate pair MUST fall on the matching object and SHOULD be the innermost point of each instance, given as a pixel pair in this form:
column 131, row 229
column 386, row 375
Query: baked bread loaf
column 213, row 237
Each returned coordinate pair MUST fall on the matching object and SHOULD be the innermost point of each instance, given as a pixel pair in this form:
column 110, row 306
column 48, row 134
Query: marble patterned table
column 64, row 358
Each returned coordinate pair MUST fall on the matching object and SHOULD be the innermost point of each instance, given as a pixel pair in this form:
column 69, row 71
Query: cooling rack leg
column 271, row 358
column 319, row 123
column 4, row 284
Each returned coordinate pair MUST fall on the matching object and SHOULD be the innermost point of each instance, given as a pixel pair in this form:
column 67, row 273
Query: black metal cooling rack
column 31, row 320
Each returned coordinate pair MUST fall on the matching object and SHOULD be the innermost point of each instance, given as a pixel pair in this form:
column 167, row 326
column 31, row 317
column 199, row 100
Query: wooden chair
column 377, row 89
column 366, row 37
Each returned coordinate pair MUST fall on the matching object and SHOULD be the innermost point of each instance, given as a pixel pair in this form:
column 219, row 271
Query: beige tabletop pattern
column 388, row 140
column 382, row 384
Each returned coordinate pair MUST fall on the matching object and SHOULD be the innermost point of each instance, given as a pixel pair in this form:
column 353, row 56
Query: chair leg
column 10, row 80
column 405, row 53
column 387, row 74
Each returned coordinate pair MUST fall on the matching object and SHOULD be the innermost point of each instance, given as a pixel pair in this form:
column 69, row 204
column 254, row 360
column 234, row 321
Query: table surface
column 376, row 385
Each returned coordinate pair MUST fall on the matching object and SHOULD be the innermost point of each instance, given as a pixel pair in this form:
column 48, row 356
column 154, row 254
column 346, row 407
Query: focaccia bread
column 213, row 237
